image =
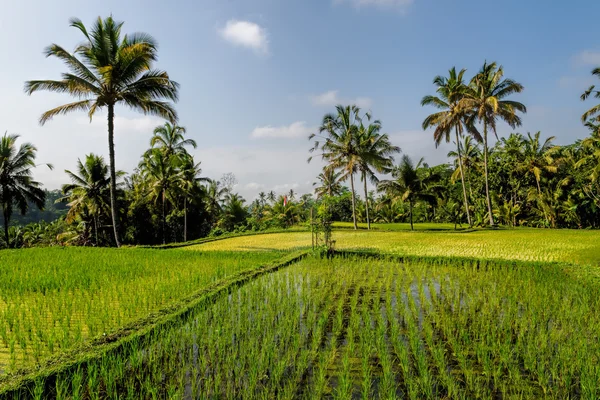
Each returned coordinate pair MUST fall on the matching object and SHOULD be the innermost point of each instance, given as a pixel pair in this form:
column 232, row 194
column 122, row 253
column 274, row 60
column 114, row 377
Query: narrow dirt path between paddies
column 580, row 247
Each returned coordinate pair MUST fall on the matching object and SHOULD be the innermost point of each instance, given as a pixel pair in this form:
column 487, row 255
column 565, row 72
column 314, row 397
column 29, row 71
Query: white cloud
column 285, row 187
column 254, row 186
column 588, row 57
column 294, row 130
column 400, row 5
column 332, row 98
column 246, row 34
column 278, row 166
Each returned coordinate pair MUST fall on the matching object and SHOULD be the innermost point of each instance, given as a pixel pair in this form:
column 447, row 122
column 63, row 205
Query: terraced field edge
column 20, row 383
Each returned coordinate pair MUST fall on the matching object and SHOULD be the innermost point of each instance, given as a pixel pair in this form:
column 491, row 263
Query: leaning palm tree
column 537, row 157
column 89, row 192
column 161, row 177
column 328, row 184
column 17, row 187
column 593, row 114
column 106, row 70
column 375, row 155
column 408, row 185
column 337, row 141
column 171, row 139
column 215, row 197
column 451, row 119
column 470, row 156
column 188, row 181
column 486, row 98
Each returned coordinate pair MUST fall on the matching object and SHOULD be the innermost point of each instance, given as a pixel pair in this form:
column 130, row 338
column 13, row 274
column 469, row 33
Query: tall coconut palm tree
column 537, row 157
column 375, row 155
column 215, row 197
column 452, row 119
column 328, row 184
column 105, row 70
column 285, row 213
column 337, row 142
column 262, row 199
column 17, row 186
column 470, row 156
column 408, row 185
column 593, row 114
column 486, row 98
column 89, row 191
column 171, row 139
column 188, row 181
column 161, row 177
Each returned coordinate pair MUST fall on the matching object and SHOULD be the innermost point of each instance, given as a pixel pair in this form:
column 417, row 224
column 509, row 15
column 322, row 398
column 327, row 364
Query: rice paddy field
column 54, row 298
column 571, row 246
column 431, row 314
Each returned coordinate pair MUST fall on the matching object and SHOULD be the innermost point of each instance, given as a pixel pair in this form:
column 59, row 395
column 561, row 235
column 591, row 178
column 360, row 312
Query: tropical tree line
column 518, row 180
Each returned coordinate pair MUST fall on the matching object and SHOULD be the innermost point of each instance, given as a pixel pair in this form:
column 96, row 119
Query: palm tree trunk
column 485, row 166
column 540, row 195
column 410, row 210
column 353, row 200
column 164, row 219
column 462, row 177
column 366, row 200
column 6, row 237
column 185, row 219
column 113, row 174
column 96, row 228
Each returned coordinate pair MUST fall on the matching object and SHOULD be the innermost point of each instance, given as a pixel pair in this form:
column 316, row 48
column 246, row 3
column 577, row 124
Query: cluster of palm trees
column 483, row 101
column 520, row 180
column 108, row 69
column 350, row 143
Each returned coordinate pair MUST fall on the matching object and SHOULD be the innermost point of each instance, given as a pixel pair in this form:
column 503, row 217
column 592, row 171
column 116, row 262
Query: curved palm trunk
column 353, row 201
column 164, row 219
column 485, row 166
column 539, row 188
column 462, row 177
column 185, row 219
column 96, row 228
column 410, row 210
column 6, row 237
column 113, row 175
column 366, row 200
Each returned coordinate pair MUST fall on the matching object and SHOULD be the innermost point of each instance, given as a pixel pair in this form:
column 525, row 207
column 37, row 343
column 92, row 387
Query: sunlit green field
column 365, row 328
column 571, row 246
column 436, row 327
column 54, row 298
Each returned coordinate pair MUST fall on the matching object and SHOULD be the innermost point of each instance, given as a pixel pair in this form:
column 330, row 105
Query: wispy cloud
column 588, row 57
column 294, row 130
column 246, row 34
column 398, row 5
column 576, row 82
column 332, row 98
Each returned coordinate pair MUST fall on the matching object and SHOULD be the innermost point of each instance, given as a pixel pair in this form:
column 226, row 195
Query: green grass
column 368, row 328
column 397, row 226
column 54, row 298
column 580, row 247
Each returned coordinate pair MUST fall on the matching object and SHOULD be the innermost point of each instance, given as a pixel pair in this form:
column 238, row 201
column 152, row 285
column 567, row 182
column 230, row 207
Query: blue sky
column 257, row 75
